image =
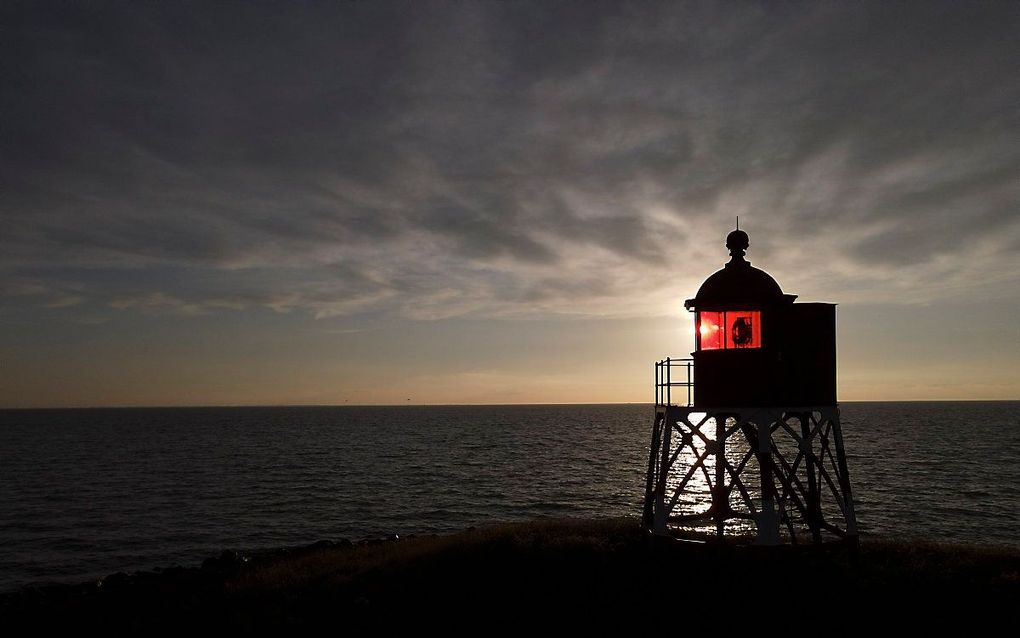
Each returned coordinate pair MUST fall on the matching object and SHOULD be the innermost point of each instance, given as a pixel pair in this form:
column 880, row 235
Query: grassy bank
column 583, row 569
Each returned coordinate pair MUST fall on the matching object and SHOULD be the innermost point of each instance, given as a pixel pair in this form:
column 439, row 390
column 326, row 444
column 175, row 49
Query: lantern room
column 754, row 346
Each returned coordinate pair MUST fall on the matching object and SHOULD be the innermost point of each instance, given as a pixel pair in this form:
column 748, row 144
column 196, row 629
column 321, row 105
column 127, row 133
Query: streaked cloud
column 505, row 159
column 362, row 166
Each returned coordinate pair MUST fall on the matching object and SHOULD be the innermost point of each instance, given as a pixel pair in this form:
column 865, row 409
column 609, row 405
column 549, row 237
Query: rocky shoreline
column 544, row 568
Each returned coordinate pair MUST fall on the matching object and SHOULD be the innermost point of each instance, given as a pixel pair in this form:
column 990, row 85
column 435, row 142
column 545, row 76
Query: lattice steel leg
column 768, row 520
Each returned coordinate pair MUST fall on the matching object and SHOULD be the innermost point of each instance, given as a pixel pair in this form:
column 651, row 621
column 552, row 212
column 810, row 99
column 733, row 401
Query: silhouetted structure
column 757, row 443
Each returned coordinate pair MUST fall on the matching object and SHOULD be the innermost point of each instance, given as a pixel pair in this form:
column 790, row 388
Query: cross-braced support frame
column 781, row 472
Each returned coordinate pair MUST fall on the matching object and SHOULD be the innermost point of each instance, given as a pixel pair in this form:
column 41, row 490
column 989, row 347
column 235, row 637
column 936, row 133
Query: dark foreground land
column 580, row 572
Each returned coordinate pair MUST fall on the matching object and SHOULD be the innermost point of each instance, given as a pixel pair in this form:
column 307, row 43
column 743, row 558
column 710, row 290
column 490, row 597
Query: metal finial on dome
column 737, row 241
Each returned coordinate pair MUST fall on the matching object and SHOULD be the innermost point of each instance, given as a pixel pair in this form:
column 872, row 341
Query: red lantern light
column 729, row 330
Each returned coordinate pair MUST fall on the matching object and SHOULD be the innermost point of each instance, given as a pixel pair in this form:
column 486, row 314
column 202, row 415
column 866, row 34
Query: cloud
column 490, row 159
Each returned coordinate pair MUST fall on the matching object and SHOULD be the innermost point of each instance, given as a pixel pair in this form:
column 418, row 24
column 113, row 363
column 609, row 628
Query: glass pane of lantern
column 743, row 329
column 710, row 329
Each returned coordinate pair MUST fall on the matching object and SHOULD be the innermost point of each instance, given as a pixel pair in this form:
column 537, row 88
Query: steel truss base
column 780, row 472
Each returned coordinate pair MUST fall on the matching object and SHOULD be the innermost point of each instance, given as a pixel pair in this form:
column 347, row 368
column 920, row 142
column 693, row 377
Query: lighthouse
column 746, row 437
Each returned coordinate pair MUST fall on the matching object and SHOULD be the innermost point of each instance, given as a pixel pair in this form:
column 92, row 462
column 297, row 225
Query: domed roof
column 739, row 283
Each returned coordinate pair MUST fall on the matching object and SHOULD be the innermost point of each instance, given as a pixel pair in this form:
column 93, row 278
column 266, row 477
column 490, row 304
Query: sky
column 495, row 202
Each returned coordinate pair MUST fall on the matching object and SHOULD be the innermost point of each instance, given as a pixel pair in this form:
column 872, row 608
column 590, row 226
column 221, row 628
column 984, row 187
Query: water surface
column 84, row 493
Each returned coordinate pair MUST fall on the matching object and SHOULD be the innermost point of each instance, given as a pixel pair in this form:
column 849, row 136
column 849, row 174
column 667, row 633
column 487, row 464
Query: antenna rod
column 738, row 222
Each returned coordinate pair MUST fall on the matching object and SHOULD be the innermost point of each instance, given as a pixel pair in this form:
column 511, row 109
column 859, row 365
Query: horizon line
column 437, row 405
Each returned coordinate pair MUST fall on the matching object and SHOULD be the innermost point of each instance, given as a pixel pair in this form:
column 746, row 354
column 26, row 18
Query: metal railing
column 666, row 379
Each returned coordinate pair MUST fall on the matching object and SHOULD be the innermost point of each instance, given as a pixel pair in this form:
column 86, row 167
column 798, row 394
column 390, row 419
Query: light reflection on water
column 88, row 492
column 696, row 497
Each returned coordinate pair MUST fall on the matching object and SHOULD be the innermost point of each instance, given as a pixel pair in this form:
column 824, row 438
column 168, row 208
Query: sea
column 89, row 492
